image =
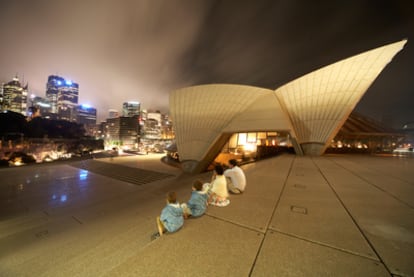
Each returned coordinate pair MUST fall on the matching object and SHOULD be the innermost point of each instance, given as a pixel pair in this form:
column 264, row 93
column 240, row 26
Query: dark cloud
column 142, row 50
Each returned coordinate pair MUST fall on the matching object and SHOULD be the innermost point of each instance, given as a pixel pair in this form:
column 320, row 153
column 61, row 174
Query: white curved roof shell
column 202, row 113
column 312, row 108
column 319, row 103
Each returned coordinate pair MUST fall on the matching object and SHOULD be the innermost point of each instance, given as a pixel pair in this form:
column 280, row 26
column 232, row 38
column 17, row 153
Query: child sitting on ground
column 171, row 218
column 197, row 204
column 217, row 189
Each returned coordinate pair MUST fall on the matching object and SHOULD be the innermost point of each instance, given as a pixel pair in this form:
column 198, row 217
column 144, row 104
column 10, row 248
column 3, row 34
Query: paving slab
column 88, row 250
column 283, row 255
column 203, row 247
column 22, row 223
column 309, row 209
column 81, row 241
column 385, row 221
column 390, row 165
column 398, row 182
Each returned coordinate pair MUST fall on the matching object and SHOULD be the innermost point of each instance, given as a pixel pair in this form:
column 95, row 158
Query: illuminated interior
column 251, row 146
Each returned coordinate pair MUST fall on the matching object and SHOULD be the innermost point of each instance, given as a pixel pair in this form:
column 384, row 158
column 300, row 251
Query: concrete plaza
column 343, row 215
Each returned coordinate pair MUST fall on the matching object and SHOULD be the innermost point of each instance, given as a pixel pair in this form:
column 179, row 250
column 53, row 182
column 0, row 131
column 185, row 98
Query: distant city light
column 44, row 105
column 59, row 82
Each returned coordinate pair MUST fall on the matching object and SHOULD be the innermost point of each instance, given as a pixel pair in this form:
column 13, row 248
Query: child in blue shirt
column 197, row 204
column 171, row 218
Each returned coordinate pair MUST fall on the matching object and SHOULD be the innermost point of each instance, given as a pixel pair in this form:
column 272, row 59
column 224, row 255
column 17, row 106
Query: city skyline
column 143, row 50
column 31, row 97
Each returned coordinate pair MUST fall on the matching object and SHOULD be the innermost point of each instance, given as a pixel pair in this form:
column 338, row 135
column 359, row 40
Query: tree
column 11, row 123
column 14, row 125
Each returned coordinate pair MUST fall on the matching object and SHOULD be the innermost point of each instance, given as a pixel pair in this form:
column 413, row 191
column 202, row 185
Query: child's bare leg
column 160, row 226
column 186, row 210
column 211, row 198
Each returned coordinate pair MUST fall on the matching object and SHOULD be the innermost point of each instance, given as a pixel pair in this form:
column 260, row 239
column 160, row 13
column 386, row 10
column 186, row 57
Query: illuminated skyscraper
column 131, row 108
column 63, row 97
column 113, row 113
column 39, row 106
column 121, row 132
column 15, row 97
column 86, row 115
column 52, row 90
column 152, row 126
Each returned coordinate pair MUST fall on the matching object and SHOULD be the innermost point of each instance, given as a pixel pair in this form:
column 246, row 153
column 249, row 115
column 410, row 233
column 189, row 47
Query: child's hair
column 198, row 185
column 233, row 162
column 219, row 169
column 172, row 197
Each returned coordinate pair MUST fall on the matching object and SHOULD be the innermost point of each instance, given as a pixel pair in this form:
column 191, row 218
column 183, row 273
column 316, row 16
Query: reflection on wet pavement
column 50, row 189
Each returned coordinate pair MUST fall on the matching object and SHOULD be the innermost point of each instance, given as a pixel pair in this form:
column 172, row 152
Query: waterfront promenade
column 341, row 215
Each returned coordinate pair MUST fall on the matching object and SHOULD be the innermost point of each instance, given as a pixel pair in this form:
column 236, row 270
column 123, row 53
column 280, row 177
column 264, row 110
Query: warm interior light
column 250, row 147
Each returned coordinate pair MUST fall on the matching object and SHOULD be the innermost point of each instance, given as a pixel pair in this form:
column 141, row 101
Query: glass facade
column 14, row 97
column 121, row 132
column 86, row 115
column 131, row 108
column 63, row 96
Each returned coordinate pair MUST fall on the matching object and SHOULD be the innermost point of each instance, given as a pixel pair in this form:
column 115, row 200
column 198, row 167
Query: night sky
column 141, row 50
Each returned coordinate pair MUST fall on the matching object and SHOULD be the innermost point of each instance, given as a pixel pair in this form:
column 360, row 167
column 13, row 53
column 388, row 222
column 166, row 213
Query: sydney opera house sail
column 320, row 102
column 311, row 108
